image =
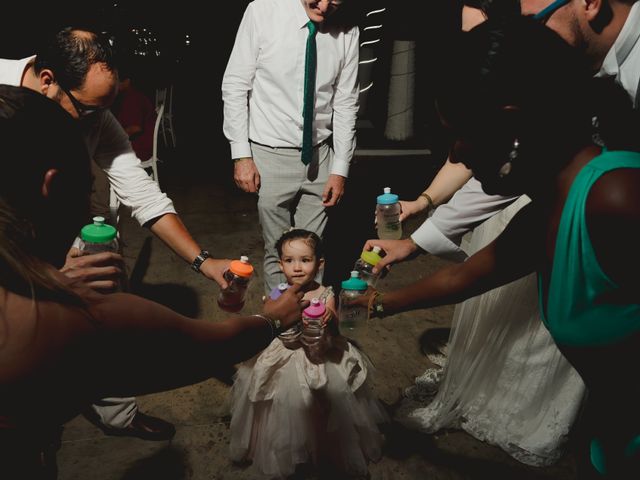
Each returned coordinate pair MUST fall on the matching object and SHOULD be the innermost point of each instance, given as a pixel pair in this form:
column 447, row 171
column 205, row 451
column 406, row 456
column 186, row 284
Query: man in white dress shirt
column 608, row 31
column 76, row 70
column 263, row 90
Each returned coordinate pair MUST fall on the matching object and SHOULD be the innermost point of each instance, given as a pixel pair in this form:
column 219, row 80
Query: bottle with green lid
column 364, row 266
column 388, row 216
column 237, row 276
column 98, row 237
column 352, row 317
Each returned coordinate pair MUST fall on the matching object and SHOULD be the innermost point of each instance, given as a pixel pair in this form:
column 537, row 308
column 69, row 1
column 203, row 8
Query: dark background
column 196, row 72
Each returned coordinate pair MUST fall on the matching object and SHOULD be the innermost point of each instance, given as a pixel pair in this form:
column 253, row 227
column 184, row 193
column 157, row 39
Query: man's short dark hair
column 70, row 54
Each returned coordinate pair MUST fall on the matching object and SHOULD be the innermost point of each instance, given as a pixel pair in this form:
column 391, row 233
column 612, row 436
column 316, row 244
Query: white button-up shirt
column 263, row 84
column 109, row 146
column 470, row 206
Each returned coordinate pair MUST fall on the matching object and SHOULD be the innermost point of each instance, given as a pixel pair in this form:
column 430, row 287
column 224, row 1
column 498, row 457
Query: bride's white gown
column 505, row 381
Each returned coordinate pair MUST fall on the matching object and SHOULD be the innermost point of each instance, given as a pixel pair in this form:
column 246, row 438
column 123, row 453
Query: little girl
column 287, row 410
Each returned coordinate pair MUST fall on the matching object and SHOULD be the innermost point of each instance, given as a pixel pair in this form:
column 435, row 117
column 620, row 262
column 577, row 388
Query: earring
column 595, row 135
column 513, row 154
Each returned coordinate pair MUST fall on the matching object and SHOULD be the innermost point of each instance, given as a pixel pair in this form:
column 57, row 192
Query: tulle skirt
column 288, row 411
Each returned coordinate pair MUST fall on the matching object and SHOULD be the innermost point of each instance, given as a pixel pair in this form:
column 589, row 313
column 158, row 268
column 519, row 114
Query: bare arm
column 613, row 212
column 516, row 252
column 170, row 229
column 159, row 349
column 449, row 179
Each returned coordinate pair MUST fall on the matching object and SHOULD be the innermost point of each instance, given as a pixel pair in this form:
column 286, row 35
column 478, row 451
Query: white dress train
column 505, row 381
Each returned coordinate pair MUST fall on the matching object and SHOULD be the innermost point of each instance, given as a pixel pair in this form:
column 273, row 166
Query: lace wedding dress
column 505, row 381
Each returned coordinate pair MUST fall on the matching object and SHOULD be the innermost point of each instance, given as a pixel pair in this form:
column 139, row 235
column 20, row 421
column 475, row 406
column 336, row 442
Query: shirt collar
column 300, row 14
column 628, row 37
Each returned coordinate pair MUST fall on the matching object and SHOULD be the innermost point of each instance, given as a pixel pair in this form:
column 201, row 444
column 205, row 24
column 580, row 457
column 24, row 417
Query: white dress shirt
column 109, row 146
column 442, row 232
column 263, row 83
column 623, row 60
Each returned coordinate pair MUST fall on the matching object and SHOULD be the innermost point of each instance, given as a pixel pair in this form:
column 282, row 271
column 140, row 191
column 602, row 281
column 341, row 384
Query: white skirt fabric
column 287, row 411
column 505, row 381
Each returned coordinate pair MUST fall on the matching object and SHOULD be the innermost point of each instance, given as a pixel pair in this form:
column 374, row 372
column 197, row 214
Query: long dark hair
column 37, row 135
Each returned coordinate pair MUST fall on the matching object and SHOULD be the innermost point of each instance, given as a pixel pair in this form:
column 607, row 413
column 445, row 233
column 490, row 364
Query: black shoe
column 145, row 427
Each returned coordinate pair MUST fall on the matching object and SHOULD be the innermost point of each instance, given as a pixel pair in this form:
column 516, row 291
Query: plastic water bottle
column 364, row 266
column 352, row 317
column 237, row 276
column 98, row 237
column 313, row 330
column 388, row 216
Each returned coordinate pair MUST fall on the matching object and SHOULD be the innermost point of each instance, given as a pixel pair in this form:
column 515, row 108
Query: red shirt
column 133, row 108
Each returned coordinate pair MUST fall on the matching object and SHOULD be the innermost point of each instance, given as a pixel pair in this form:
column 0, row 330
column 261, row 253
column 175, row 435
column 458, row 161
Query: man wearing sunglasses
column 76, row 69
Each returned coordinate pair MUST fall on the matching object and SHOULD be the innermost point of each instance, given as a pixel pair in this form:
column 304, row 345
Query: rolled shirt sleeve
column 111, row 150
column 469, row 207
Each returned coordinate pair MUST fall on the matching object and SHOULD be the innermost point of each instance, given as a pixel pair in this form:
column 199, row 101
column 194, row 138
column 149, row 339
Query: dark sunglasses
column 82, row 108
column 544, row 14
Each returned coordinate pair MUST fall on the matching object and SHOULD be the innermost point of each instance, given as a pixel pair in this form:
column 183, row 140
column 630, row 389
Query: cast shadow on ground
column 169, row 463
column 180, row 298
column 402, row 443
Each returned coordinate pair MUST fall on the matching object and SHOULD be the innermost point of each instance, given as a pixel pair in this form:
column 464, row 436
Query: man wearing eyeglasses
column 76, row 69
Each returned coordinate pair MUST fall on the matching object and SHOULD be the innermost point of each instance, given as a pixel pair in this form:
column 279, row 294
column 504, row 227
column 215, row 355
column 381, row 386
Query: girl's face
column 298, row 262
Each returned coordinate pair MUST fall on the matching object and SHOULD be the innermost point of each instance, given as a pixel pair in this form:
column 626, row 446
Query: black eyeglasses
column 82, row 108
column 544, row 14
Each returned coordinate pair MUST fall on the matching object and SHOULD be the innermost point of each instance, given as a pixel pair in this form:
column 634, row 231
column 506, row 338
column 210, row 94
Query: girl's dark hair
column 312, row 239
column 70, row 54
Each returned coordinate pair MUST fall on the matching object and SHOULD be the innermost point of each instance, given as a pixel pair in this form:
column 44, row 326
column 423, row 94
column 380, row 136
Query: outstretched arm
column 516, row 252
column 159, row 349
column 170, row 229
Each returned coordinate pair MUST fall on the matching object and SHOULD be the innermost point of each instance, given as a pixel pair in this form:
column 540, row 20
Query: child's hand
column 327, row 317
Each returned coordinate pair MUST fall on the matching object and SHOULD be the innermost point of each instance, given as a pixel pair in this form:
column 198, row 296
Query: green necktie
column 309, row 94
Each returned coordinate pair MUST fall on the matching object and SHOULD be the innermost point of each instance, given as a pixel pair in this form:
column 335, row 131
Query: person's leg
column 115, row 412
column 281, row 174
column 121, row 417
column 310, row 214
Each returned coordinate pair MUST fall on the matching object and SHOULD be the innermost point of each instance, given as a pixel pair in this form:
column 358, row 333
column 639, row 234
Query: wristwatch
column 202, row 256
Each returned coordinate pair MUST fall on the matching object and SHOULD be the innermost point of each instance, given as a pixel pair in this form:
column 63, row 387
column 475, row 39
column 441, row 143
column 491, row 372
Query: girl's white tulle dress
column 288, row 411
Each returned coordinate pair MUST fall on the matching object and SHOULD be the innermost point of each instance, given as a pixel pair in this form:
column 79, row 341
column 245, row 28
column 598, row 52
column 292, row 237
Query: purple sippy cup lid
column 277, row 291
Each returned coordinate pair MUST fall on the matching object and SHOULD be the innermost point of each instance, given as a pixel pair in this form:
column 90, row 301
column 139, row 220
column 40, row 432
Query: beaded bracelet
column 375, row 307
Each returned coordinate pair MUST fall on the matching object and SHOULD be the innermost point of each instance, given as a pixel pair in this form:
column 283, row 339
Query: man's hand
column 395, row 250
column 100, row 271
column 333, row 190
column 213, row 268
column 245, row 174
column 287, row 308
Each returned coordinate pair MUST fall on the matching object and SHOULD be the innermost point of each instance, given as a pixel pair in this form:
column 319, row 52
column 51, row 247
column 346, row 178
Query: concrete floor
column 224, row 220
